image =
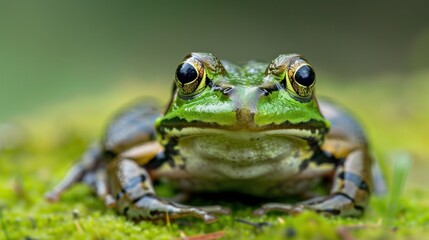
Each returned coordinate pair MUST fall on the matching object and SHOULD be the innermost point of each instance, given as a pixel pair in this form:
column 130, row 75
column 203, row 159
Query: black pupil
column 186, row 73
column 305, row 75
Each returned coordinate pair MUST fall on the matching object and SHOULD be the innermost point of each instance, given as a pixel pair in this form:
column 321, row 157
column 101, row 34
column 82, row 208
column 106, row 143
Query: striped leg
column 349, row 194
column 351, row 189
column 137, row 200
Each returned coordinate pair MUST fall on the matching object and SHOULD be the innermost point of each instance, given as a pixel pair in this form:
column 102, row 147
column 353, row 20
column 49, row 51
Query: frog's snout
column 245, row 102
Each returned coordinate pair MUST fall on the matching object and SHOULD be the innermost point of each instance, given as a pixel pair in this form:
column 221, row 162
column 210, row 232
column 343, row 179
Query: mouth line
column 314, row 126
column 309, row 134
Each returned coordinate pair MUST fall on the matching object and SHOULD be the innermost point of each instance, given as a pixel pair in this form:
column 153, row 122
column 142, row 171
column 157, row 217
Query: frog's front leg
column 349, row 194
column 351, row 187
column 89, row 170
column 136, row 197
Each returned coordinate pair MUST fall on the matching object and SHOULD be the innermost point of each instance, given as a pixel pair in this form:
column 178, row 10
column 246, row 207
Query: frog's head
column 210, row 95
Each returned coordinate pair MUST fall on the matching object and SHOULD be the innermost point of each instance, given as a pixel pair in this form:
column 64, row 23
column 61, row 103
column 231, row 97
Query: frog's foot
column 95, row 179
column 332, row 205
column 216, row 209
column 178, row 200
column 136, row 197
column 85, row 168
column 152, row 208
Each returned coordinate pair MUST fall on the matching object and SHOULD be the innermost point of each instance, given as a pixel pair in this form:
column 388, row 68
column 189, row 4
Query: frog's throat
column 226, row 155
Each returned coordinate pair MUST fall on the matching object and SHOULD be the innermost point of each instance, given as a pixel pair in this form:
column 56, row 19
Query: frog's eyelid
column 211, row 63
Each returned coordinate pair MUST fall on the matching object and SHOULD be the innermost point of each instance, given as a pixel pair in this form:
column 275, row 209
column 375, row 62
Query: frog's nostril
column 265, row 91
column 227, row 90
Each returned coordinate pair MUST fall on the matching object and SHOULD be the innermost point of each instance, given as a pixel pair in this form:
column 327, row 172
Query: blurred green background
column 52, row 51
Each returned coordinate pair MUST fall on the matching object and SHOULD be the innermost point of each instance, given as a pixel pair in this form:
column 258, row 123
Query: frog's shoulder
column 343, row 123
column 132, row 125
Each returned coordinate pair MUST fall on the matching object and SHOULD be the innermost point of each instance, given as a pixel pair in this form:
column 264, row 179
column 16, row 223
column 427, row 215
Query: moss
column 50, row 146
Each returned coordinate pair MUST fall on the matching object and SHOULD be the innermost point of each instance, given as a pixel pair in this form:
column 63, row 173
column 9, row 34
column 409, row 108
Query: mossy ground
column 394, row 112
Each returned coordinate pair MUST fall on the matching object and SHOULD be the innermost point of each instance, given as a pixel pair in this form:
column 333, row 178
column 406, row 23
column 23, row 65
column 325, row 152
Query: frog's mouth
column 312, row 131
column 312, row 135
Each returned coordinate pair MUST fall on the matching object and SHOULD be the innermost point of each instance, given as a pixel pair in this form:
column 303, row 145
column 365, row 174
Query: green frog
column 254, row 129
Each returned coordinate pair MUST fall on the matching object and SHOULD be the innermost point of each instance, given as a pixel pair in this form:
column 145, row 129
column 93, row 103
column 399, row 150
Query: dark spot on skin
column 164, row 157
column 356, row 179
column 357, row 207
column 157, row 161
column 341, row 162
column 344, row 195
column 319, row 157
column 125, row 211
column 360, row 208
column 155, row 213
column 265, row 91
column 137, row 199
column 109, row 155
column 225, row 90
column 142, row 178
column 120, row 194
column 331, row 211
column 304, row 165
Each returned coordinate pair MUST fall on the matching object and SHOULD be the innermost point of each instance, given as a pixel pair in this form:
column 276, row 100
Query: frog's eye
column 190, row 77
column 300, row 78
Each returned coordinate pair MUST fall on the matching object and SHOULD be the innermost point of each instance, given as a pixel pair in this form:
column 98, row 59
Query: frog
column 255, row 129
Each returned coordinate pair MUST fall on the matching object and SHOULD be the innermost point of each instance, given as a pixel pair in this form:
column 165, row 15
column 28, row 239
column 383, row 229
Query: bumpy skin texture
column 235, row 101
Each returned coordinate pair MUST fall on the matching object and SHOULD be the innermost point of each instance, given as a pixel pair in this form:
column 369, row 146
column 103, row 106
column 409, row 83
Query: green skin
column 252, row 129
